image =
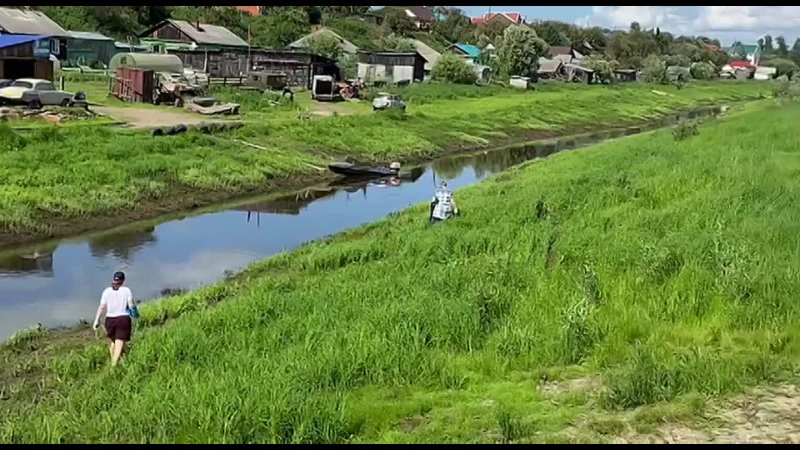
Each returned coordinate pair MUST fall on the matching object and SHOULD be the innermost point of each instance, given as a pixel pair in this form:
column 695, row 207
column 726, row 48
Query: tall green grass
column 667, row 267
column 67, row 173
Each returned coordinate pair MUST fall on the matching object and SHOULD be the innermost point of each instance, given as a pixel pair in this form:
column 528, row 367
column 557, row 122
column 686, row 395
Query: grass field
column 650, row 271
column 59, row 176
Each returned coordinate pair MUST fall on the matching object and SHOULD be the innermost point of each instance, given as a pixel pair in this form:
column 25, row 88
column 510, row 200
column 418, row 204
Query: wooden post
column 61, row 82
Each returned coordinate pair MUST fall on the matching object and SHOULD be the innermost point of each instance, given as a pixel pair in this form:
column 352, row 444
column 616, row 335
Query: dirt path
column 766, row 415
column 151, row 118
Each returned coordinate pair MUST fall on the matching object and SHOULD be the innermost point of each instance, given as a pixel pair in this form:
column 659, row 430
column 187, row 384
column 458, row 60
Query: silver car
column 34, row 93
column 388, row 101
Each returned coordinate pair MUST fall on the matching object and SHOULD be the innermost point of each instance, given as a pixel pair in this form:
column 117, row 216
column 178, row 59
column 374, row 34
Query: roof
column 10, row 40
column 512, row 17
column 27, row 21
column 549, row 65
column 580, row 68
column 206, row 34
column 88, row 36
column 158, row 62
column 470, row 50
column 559, row 50
column 430, row 55
column 344, row 44
column 739, row 63
column 749, row 48
column 423, row 13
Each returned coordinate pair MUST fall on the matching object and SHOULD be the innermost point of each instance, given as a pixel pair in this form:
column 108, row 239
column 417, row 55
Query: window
column 45, row 86
column 55, row 46
column 22, row 84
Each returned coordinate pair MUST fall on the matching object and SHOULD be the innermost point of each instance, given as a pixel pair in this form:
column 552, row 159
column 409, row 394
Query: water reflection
column 122, row 245
column 59, row 284
column 37, row 261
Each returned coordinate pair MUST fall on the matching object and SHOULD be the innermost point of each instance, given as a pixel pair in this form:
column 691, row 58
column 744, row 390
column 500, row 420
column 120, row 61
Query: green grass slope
column 70, row 174
column 663, row 268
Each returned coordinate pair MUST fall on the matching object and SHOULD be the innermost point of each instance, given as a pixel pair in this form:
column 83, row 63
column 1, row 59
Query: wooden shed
column 133, row 85
column 19, row 58
column 393, row 67
column 299, row 67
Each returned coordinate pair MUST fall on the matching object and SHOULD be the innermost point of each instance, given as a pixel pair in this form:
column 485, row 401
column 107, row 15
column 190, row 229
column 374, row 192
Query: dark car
column 5, row 83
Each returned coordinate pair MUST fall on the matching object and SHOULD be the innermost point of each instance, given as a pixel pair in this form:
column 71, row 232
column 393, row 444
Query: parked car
column 388, row 101
column 324, row 88
column 35, row 93
column 5, row 83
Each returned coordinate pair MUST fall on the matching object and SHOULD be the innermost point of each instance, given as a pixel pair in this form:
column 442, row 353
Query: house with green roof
column 468, row 51
column 752, row 52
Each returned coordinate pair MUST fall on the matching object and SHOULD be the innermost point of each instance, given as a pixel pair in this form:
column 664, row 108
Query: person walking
column 443, row 204
column 117, row 305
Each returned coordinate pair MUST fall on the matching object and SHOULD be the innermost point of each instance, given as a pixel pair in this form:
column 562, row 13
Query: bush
column 703, row 71
column 685, row 130
column 783, row 67
column 453, row 69
column 655, row 70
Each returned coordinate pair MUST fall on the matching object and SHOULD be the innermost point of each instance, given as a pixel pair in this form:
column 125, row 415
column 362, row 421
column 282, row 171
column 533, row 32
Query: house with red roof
column 511, row 18
column 252, row 10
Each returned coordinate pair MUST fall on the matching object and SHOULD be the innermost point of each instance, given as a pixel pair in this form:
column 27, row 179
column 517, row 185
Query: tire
column 35, row 104
column 66, row 103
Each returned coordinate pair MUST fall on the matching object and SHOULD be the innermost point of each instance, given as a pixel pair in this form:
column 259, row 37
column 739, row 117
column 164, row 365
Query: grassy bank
column 641, row 273
column 56, row 180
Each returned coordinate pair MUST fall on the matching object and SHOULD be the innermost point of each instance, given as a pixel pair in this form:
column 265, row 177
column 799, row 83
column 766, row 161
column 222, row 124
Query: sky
column 726, row 23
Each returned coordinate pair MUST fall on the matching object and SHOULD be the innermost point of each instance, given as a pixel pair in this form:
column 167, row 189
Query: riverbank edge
column 182, row 198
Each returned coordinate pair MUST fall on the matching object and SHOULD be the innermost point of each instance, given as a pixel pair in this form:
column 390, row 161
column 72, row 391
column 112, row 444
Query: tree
column 768, row 44
column 552, row 32
column 344, row 11
column 782, row 49
column 635, row 27
column 453, row 69
column 395, row 43
column 325, row 45
column 398, row 22
column 520, row 51
column 454, row 27
column 494, row 29
column 678, row 60
column 281, row 26
column 655, row 71
column 603, row 68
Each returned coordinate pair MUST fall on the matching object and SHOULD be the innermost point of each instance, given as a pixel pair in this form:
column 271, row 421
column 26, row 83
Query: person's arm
column 101, row 310
column 453, row 202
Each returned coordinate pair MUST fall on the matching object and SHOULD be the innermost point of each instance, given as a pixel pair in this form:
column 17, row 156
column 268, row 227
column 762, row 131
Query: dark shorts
column 119, row 328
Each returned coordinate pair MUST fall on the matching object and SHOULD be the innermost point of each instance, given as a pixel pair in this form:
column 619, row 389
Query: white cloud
column 725, row 22
column 749, row 18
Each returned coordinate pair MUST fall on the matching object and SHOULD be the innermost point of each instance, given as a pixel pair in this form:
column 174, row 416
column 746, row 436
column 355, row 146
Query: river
column 59, row 283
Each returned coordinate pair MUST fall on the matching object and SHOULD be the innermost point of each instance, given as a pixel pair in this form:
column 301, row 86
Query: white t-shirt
column 117, row 302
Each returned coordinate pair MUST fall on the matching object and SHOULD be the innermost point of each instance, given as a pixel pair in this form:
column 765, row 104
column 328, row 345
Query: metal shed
column 146, row 61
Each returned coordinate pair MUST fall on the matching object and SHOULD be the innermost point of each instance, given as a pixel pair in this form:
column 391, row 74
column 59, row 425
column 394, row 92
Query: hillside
column 641, row 273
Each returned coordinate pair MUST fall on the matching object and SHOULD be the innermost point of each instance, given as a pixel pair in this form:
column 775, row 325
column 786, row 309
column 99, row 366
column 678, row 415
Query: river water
column 59, row 283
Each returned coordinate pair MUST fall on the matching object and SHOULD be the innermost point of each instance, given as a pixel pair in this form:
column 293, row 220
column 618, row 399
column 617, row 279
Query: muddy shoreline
column 183, row 198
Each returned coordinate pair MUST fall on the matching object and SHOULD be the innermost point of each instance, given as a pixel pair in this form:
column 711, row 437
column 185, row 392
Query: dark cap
column 119, row 276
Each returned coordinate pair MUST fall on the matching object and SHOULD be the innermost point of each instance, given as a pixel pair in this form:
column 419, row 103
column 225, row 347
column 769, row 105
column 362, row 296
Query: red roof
column 740, row 63
column 252, row 10
column 511, row 17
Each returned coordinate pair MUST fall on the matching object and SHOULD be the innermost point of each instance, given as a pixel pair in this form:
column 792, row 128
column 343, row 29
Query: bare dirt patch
column 151, row 118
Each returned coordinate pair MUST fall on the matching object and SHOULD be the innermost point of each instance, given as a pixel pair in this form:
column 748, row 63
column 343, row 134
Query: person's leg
column 111, row 349
column 119, row 345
